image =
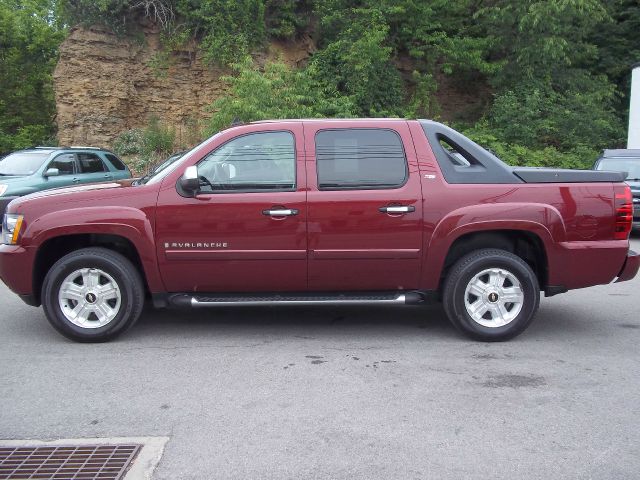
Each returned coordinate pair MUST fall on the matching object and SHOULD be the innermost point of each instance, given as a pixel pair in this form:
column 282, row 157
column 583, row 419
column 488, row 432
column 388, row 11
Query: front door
column 365, row 207
column 246, row 229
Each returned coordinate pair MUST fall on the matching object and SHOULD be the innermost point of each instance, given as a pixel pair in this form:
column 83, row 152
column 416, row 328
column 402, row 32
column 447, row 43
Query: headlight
column 3, row 188
column 11, row 227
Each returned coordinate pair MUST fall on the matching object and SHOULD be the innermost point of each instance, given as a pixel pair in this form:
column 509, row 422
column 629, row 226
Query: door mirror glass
column 190, row 181
column 52, row 172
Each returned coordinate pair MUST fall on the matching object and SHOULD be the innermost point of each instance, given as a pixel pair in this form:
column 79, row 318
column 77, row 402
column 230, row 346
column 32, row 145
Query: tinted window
column 116, row 162
column 360, row 158
column 255, row 162
column 629, row 165
column 90, row 163
column 457, row 157
column 66, row 164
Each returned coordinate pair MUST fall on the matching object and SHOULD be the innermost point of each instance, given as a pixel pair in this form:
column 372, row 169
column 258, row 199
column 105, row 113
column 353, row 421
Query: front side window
column 66, row 164
column 360, row 159
column 256, row 162
column 90, row 163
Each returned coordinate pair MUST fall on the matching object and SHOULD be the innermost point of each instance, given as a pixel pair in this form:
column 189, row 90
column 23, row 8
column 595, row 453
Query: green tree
column 547, row 94
column 29, row 39
column 276, row 91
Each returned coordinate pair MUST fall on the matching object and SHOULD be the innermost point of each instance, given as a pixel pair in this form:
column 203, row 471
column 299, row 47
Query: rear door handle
column 281, row 212
column 398, row 209
column 76, row 180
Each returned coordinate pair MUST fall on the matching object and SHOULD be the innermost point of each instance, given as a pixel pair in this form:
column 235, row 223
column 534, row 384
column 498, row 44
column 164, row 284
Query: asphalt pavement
column 342, row 393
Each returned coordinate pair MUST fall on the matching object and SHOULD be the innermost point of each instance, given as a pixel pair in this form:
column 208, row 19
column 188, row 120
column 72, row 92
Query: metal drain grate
column 73, row 462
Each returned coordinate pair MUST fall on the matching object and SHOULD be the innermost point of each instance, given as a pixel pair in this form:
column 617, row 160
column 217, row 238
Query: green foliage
column 547, row 93
column 227, row 29
column 129, row 142
column 118, row 15
column 358, row 65
column 554, row 73
column 276, row 92
column 538, row 116
column 145, row 147
column 286, row 18
column 29, row 39
column 520, row 155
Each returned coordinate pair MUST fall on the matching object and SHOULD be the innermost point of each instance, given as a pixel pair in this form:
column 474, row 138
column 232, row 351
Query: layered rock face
column 105, row 85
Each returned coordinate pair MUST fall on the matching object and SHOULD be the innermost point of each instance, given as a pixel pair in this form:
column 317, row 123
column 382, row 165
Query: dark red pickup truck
column 308, row 212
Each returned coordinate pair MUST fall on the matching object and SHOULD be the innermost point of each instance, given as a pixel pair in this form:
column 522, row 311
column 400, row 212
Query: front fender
column 130, row 223
column 542, row 220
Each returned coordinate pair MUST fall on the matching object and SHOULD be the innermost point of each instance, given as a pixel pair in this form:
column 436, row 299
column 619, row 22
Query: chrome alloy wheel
column 89, row 298
column 493, row 298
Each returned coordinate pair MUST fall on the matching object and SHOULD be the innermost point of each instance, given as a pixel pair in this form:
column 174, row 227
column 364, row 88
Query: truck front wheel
column 491, row 295
column 92, row 295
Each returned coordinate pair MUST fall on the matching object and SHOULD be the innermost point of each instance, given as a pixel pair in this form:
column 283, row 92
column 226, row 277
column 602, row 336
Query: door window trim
column 105, row 168
column 76, row 164
column 262, row 190
column 364, row 187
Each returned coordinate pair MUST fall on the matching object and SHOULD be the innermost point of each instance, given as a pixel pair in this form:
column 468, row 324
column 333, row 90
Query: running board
column 312, row 299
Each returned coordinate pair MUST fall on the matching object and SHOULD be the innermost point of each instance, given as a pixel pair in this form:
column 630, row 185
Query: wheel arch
column 56, row 246
column 525, row 244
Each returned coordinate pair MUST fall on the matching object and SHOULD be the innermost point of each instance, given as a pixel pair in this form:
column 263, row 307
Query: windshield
column 629, row 165
column 157, row 176
column 22, row 163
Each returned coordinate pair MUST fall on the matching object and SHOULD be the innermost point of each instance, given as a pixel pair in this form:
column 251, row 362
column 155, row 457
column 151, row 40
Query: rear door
column 365, row 206
column 92, row 168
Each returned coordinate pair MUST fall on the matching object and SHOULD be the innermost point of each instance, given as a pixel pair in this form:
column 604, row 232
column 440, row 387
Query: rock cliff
column 105, row 84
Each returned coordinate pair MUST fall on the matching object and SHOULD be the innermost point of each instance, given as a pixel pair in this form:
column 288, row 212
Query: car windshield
column 629, row 165
column 22, row 163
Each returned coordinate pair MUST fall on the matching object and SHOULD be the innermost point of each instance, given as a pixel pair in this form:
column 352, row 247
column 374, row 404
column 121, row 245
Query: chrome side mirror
column 190, row 181
column 52, row 172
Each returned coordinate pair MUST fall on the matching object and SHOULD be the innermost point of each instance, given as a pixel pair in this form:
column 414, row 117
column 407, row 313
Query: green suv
column 42, row 168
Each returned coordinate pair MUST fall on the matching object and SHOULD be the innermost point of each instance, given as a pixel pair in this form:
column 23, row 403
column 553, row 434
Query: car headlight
column 3, row 188
column 11, row 227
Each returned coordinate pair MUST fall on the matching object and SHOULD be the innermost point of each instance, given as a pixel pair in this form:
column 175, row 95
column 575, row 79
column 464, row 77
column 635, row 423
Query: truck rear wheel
column 491, row 295
column 92, row 295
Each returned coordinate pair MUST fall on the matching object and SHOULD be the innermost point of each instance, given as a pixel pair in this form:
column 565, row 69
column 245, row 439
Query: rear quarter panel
column 574, row 221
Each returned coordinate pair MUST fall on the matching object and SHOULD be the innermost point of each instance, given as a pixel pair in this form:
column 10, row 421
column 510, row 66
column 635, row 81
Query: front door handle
column 398, row 209
column 281, row 212
column 76, row 180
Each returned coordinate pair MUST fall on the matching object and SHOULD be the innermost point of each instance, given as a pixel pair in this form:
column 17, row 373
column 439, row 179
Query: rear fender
column 542, row 220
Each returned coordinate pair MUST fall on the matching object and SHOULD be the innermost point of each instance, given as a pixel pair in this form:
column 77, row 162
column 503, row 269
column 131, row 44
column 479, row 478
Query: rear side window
column 91, row 163
column 360, row 159
column 115, row 161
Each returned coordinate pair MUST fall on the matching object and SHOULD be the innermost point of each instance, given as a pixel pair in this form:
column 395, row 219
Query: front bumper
column 16, row 265
column 630, row 267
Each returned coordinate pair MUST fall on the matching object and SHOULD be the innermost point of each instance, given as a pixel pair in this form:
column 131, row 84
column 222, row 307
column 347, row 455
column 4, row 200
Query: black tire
column 464, row 271
column 121, row 270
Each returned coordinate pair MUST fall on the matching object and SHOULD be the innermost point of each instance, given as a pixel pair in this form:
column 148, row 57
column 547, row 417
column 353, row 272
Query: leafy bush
column 519, row 155
column 29, row 39
column 145, row 147
column 276, row 92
